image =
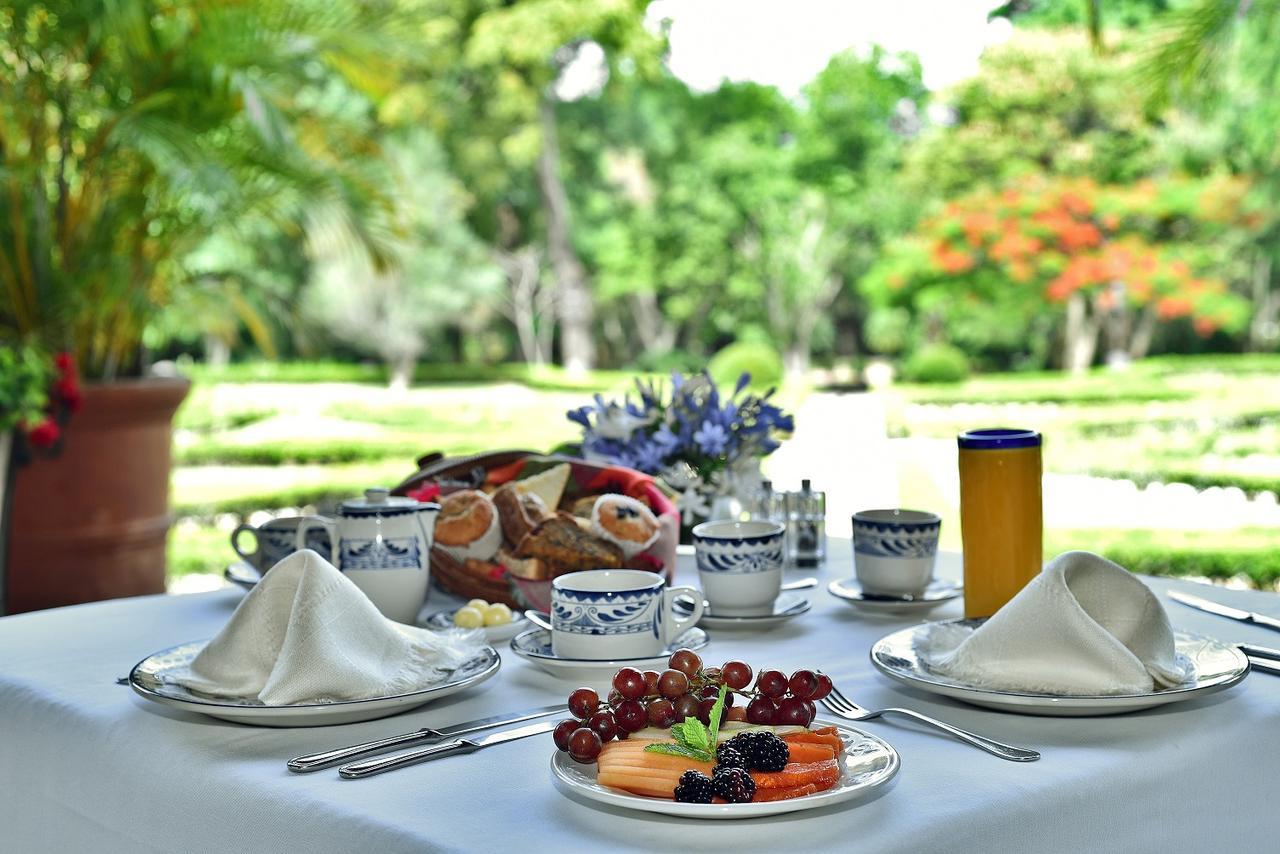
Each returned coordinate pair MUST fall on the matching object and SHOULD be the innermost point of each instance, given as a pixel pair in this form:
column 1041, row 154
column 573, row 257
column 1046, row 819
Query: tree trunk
column 1145, row 329
column 1266, row 306
column 400, row 366
column 657, row 335
column 1080, row 339
column 795, row 361
column 574, row 305
column 217, row 352
column 1116, row 320
column 522, row 305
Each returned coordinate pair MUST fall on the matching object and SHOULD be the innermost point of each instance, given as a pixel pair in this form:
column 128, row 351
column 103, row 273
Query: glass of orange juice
column 1001, row 518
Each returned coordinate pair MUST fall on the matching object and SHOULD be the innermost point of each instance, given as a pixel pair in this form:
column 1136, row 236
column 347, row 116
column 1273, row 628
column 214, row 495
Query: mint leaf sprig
column 693, row 739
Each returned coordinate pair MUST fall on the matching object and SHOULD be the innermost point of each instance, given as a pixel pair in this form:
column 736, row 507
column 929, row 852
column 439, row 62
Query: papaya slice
column 824, row 773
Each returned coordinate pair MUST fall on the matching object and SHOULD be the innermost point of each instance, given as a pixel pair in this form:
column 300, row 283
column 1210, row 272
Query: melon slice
column 548, row 485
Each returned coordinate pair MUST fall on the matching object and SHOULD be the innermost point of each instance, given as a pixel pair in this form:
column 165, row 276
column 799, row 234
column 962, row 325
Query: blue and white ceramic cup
column 612, row 614
column 740, row 566
column 276, row 540
column 894, row 550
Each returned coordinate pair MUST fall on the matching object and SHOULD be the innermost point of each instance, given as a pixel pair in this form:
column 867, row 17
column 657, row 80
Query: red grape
column 704, row 711
column 672, row 684
column 737, row 674
column 604, row 725
column 563, row 730
column 737, row 713
column 651, row 682
column 812, row 709
column 761, row 710
column 585, row 744
column 710, row 692
column 686, row 661
column 662, row 713
column 771, row 683
column 629, row 682
column 792, row 712
column 583, row 703
column 824, row 687
column 614, row 698
column 631, row 716
column 686, row 707
column 803, row 684
column 713, row 676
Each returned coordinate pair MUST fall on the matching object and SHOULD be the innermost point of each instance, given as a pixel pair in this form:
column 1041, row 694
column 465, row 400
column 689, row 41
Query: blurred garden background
column 372, row 230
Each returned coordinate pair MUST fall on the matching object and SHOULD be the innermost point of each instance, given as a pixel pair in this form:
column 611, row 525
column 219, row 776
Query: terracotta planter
column 91, row 523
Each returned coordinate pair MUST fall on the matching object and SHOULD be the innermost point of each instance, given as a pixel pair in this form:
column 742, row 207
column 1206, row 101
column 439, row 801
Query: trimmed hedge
column 549, row 377
column 937, row 363
column 341, row 451
column 1260, row 566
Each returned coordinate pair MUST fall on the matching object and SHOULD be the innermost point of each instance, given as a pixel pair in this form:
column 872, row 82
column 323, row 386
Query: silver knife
column 1264, row 666
column 370, row 767
column 1225, row 610
column 426, row 735
column 1264, row 652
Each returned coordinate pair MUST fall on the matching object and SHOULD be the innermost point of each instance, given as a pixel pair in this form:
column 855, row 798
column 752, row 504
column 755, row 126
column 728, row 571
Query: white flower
column 693, row 505
column 614, row 422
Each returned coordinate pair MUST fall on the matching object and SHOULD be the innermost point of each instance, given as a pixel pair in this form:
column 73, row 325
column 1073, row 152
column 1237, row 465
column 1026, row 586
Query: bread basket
column 439, row 476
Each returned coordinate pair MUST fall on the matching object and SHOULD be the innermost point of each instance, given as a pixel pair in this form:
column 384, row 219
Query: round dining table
column 87, row 765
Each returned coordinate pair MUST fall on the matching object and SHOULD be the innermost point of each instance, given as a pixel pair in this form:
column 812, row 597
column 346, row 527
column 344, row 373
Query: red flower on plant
column 66, row 363
column 68, row 391
column 45, row 434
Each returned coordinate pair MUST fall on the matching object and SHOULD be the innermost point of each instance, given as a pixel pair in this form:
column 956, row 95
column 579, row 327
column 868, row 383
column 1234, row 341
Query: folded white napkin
column 306, row 633
column 1082, row 626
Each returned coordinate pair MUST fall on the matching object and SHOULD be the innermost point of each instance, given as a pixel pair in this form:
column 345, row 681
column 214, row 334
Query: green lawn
column 264, row 437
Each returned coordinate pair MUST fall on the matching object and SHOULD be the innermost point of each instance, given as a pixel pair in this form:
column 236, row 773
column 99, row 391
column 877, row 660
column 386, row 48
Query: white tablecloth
column 87, row 765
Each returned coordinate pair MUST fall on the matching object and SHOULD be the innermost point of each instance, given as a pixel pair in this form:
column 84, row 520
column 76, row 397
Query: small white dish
column 242, row 574
column 150, row 678
column 786, row 607
column 937, row 593
column 869, row 763
column 534, row 646
column 442, row 621
column 1217, row 667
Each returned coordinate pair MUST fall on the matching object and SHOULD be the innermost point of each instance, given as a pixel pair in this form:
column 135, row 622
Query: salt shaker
column 807, row 526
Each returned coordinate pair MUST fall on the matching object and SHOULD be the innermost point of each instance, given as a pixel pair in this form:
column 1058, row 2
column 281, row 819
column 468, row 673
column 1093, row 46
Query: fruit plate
column 1217, row 667
column 869, row 764
column 442, row 621
column 152, row 678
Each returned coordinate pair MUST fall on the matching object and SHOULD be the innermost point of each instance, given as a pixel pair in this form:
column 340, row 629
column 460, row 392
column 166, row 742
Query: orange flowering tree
column 1072, row 259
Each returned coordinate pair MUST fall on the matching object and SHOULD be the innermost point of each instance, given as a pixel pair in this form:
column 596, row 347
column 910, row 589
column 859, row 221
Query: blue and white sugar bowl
column 383, row 544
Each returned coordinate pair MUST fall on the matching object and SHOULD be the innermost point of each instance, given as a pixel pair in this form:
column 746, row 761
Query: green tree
column 435, row 273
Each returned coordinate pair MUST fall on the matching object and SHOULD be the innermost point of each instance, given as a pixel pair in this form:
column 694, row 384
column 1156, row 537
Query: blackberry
column 734, row 785
column 764, row 751
column 727, row 757
column 694, row 788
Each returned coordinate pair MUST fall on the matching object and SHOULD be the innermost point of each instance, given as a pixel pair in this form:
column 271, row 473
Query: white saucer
column 1217, row 666
column 937, row 593
column 868, row 763
column 443, row 621
column 535, row 647
column 785, row 607
column 242, row 574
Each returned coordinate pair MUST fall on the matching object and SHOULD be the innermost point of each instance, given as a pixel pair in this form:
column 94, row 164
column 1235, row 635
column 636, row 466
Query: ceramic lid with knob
column 378, row 501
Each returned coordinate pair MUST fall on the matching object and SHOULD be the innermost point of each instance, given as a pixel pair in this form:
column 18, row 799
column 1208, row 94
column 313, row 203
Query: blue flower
column 712, row 438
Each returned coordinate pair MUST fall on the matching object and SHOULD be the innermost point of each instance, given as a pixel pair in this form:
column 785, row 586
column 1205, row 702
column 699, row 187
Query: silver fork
column 839, row 704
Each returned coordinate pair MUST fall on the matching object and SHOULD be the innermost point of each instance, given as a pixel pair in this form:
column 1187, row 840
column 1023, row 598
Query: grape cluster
column 686, row 689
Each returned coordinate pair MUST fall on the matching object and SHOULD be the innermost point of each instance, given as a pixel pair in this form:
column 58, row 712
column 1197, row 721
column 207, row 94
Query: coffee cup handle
column 676, row 626
column 235, row 542
column 306, row 523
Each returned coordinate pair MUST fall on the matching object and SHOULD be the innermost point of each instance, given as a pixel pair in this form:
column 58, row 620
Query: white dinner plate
column 1217, row 666
column 786, row 607
column 535, row 647
column 442, row 621
column 151, row 679
column 937, row 593
column 869, row 763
